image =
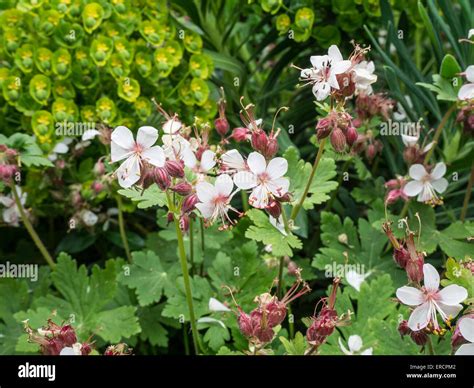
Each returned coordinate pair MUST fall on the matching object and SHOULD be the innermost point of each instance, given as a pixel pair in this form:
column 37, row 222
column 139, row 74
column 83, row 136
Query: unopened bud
column 189, row 203
column 274, row 208
column 351, row 135
column 419, row 337
column 338, row 140
column 175, row 168
column 162, row 178
column 222, row 126
column 403, row 328
column 240, row 134
column 182, row 188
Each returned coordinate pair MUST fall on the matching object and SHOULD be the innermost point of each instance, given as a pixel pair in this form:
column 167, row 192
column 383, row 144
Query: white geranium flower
column 467, row 91
column 60, row 148
column 265, row 180
column 215, row 199
column 424, row 184
column 89, row 134
column 412, row 141
column 216, row 306
column 177, row 148
column 355, row 347
column 135, row 152
column 355, row 279
column 11, row 213
column 172, row 125
column 324, row 71
column 430, row 300
column 364, row 76
column 89, row 218
column 466, row 327
column 232, row 162
column 203, row 166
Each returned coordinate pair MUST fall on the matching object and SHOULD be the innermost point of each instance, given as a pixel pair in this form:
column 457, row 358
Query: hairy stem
column 191, row 244
column 29, row 227
column 123, row 234
column 298, row 206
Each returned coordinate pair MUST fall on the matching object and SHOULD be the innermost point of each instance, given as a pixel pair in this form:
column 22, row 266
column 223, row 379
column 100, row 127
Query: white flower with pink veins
column 214, row 199
column 424, row 184
column 324, row 71
column 430, row 300
column 264, row 180
column 203, row 166
column 466, row 328
column 364, row 76
column 467, row 91
column 135, row 153
column 232, row 162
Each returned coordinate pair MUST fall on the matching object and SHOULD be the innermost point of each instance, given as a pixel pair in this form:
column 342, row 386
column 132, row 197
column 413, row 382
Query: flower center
column 263, row 178
column 138, row 148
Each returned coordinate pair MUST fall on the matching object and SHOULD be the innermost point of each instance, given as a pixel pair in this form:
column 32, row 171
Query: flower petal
column 256, row 163
column 334, row 53
column 420, row 317
column 119, row 153
column 205, row 191
column 440, row 185
column 206, row 209
column 465, row 350
column 155, row 155
column 279, row 187
column 417, row 172
column 208, row 160
column 438, row 171
column 343, row 348
column 277, row 168
column 431, row 278
column 452, row 294
column 470, row 73
column 355, row 343
column 409, row 141
column 90, row 134
column 147, row 136
column 245, row 180
column 129, row 172
column 233, row 160
column 259, row 197
column 340, row 67
column 466, row 327
column 449, row 311
column 172, row 126
column 215, row 305
column 123, row 137
column 413, row 188
column 321, row 90
column 466, row 92
column 224, row 185
column 410, row 296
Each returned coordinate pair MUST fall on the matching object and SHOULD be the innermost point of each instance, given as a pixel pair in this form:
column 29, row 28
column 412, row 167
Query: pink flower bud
column 259, row 141
column 184, row 223
column 419, row 337
column 414, row 269
column 175, row 168
column 162, row 178
column 403, row 328
column 338, row 140
column 401, row 256
column 274, row 208
column 245, row 323
column 351, row 135
column 97, row 187
column 222, row 126
column 240, row 134
column 99, row 168
column 272, row 148
column 86, row 349
column 322, row 326
column 182, row 188
column 323, row 128
column 189, row 203
column 370, row 151
column 67, row 335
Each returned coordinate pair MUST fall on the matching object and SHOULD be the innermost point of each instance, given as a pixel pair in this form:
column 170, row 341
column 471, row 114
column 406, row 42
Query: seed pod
column 419, row 337
column 401, row 256
column 162, row 178
column 67, row 335
column 403, row 328
column 222, row 126
column 182, row 188
column 175, row 168
column 338, row 140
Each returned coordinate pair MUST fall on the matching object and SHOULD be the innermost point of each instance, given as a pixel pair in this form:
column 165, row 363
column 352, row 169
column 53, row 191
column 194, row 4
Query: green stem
column 405, row 208
column 291, row 323
column 245, row 200
column 123, row 234
column 298, row 206
column 201, row 226
column 185, row 339
column 438, row 132
column 191, row 244
column 280, row 276
column 30, row 229
column 467, row 196
column 430, row 347
column 186, row 278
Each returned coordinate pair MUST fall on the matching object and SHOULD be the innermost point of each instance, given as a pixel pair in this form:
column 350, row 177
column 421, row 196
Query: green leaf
column 152, row 196
column 299, row 172
column 264, row 231
column 121, row 322
column 296, row 346
column 147, row 276
column 449, row 67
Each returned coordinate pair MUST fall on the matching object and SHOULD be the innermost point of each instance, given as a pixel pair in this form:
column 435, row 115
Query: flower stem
column 280, row 276
column 298, row 206
column 191, row 244
column 123, row 234
column 201, row 225
column 186, row 278
column 438, row 132
column 467, row 196
column 430, row 347
column 30, row 229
